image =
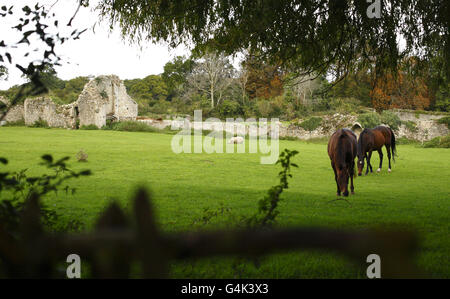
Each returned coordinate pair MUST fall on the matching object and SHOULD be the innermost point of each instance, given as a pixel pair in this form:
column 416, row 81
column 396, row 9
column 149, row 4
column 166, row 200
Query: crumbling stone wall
column 16, row 112
column 43, row 108
column 105, row 97
column 427, row 126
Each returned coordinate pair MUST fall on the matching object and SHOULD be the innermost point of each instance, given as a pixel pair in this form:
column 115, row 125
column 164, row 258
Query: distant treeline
column 259, row 89
column 60, row 91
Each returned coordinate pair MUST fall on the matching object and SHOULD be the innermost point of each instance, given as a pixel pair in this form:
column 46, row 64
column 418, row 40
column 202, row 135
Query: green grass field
column 414, row 195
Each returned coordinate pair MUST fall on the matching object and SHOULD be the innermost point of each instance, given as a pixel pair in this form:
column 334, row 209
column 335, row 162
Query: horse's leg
column 388, row 149
column 352, row 171
column 370, row 159
column 368, row 162
column 338, row 192
column 380, row 152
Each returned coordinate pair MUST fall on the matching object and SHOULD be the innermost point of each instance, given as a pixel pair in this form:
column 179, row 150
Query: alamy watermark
column 74, row 268
column 374, row 9
column 374, row 269
column 262, row 137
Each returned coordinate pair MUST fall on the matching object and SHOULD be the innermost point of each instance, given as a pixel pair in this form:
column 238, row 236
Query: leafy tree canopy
column 175, row 74
column 316, row 36
column 151, row 87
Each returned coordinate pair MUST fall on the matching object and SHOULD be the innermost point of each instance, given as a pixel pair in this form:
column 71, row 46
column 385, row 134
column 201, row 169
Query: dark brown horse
column 342, row 152
column 373, row 140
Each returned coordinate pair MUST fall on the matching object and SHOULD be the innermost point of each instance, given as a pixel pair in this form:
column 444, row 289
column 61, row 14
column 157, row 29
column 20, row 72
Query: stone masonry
column 103, row 98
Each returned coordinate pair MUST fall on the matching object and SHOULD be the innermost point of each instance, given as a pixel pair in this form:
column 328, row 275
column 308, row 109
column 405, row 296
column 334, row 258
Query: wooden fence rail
column 117, row 242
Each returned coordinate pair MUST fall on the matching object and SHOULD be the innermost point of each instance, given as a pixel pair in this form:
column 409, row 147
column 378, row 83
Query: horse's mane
column 341, row 153
column 342, row 150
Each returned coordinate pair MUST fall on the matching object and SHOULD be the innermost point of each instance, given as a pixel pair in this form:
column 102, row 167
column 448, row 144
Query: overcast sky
column 97, row 52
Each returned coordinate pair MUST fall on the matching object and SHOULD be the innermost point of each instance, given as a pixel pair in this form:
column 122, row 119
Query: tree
column 175, row 74
column 49, row 78
column 357, row 84
column 303, row 88
column 442, row 97
column 307, row 35
column 150, row 88
column 400, row 91
column 438, row 82
column 71, row 90
column 264, row 80
column 243, row 81
column 36, row 26
column 148, row 92
column 212, row 74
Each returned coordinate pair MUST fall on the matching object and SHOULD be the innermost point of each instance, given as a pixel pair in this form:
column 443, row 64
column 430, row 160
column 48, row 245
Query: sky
column 97, row 52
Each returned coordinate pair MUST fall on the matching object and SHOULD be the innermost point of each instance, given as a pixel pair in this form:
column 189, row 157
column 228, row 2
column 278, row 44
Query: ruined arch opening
column 77, row 117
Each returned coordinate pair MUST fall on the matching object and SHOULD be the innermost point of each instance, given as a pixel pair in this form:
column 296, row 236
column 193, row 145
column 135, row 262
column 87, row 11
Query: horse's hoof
column 353, row 192
column 338, row 194
column 378, row 170
column 389, row 170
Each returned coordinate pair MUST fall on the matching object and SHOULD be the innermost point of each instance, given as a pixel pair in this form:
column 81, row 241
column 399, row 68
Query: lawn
column 415, row 194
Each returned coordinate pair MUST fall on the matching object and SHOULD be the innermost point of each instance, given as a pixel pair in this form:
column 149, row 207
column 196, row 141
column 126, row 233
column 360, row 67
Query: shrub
column 40, row 123
column 98, row 80
column 411, row 126
column 82, row 156
column 89, row 127
column 19, row 123
column 445, row 121
column 290, row 138
column 391, row 119
column 438, row 142
column 130, row 126
column 263, row 108
column 311, row 124
column 103, row 94
column 16, row 188
column 445, row 141
column 403, row 140
column 369, row 120
column 345, row 105
column 229, row 109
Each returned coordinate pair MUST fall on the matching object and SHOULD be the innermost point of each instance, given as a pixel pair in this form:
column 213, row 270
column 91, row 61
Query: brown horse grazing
column 374, row 139
column 342, row 152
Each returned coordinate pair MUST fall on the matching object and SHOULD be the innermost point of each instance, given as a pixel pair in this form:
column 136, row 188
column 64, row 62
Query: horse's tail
column 393, row 147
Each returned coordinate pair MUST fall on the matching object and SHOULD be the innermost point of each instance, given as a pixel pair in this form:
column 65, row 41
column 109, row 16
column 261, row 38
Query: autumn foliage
column 264, row 80
column 400, row 91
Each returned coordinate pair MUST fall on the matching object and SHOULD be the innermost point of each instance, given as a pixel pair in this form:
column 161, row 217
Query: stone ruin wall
column 15, row 114
column 427, row 127
column 104, row 97
column 43, row 108
column 92, row 107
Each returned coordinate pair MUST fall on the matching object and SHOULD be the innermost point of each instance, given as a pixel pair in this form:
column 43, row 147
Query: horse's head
column 343, row 174
column 360, row 164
